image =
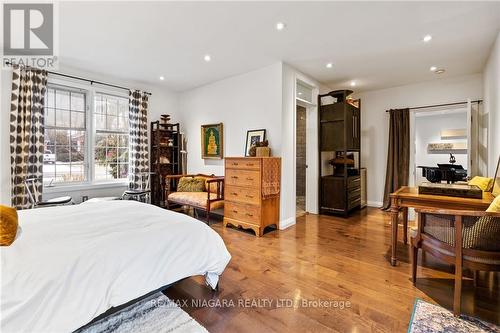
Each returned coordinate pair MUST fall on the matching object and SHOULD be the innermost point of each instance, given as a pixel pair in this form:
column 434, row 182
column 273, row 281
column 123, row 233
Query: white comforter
column 72, row 263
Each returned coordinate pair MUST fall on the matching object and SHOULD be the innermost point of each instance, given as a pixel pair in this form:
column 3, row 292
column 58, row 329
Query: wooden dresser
column 252, row 192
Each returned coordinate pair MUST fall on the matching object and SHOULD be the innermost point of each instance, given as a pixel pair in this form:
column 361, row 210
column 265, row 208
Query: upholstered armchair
column 466, row 239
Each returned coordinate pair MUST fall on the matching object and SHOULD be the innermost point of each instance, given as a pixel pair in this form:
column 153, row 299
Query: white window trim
column 90, row 92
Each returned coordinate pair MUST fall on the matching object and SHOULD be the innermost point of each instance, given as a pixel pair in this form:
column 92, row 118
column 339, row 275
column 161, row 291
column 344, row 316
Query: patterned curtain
column 26, row 131
column 138, row 131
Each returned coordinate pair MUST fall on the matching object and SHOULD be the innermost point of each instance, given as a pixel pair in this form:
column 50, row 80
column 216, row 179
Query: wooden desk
column 407, row 197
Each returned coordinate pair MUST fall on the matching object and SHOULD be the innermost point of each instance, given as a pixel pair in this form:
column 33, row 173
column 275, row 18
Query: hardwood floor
column 327, row 258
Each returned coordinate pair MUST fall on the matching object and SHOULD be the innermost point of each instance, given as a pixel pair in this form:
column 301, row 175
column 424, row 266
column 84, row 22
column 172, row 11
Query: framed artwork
column 254, row 136
column 212, row 141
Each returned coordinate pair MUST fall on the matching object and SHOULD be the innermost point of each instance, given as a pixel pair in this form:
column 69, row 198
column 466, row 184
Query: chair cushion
column 58, row 200
column 191, row 184
column 8, row 225
column 494, row 206
column 484, row 183
column 198, row 199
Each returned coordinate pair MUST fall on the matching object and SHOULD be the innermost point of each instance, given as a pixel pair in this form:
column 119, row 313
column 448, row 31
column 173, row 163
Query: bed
column 69, row 264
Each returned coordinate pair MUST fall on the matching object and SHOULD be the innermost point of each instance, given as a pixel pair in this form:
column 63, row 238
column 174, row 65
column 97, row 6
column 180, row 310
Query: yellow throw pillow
column 484, row 183
column 494, row 206
column 213, row 186
column 204, row 181
column 8, row 225
column 190, row 184
column 496, row 187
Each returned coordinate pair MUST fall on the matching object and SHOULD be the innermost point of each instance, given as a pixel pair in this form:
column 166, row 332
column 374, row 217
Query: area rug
column 430, row 318
column 156, row 313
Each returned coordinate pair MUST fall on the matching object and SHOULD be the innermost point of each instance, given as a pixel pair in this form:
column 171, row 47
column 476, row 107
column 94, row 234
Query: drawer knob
column 249, row 196
column 234, row 193
column 235, row 177
column 249, row 178
column 235, row 211
column 248, row 214
column 235, row 163
column 249, row 164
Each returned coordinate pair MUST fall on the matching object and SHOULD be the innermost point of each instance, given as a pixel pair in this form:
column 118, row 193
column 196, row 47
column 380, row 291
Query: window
column 65, row 136
column 86, row 135
column 111, row 139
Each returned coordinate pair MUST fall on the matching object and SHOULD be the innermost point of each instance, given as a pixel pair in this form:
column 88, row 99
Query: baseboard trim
column 376, row 204
column 287, row 223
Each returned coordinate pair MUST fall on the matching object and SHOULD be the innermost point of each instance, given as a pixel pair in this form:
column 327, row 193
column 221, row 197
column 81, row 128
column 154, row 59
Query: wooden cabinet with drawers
column 339, row 121
column 251, row 192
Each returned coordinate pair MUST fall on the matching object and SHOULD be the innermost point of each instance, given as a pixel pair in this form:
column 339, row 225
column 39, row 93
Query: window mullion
column 92, row 135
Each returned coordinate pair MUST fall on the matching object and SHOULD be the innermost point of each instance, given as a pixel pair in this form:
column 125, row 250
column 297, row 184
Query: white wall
column 375, row 121
column 264, row 98
column 428, row 127
column 162, row 101
column 244, row 102
column 492, row 104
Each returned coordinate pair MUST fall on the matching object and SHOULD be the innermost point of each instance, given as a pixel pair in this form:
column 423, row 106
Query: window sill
column 82, row 187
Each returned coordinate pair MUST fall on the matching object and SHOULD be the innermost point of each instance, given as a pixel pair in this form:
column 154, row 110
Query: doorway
column 301, row 159
column 441, row 137
column 305, row 144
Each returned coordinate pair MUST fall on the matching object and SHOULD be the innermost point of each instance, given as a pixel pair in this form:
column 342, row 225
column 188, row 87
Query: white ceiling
column 378, row 44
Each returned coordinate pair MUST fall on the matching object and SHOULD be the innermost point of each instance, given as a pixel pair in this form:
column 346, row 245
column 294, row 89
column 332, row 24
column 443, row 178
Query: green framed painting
column 212, row 141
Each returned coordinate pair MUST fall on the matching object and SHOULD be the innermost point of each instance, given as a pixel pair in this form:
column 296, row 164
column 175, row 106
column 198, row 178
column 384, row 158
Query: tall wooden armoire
column 340, row 152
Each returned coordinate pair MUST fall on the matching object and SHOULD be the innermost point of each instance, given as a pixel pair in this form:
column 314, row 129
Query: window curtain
column 138, row 138
column 26, row 132
column 398, row 155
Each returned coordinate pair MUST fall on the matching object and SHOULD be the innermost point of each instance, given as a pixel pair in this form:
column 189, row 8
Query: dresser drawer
column 353, row 182
column 354, row 202
column 242, row 194
column 243, row 163
column 242, row 178
column 354, row 193
column 242, row 212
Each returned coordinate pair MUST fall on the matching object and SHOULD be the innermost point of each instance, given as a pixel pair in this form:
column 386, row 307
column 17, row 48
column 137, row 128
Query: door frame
column 312, row 158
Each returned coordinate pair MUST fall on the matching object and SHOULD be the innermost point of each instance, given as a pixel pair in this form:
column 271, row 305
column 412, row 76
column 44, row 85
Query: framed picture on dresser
column 254, row 136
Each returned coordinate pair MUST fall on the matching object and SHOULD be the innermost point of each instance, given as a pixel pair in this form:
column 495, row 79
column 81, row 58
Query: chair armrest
column 216, row 180
column 220, row 188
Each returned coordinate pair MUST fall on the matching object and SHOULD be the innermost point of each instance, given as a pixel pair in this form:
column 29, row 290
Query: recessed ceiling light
column 207, row 57
column 300, row 93
column 427, row 38
column 162, row 78
column 440, row 71
column 329, row 65
column 280, row 26
column 353, row 83
column 433, row 68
